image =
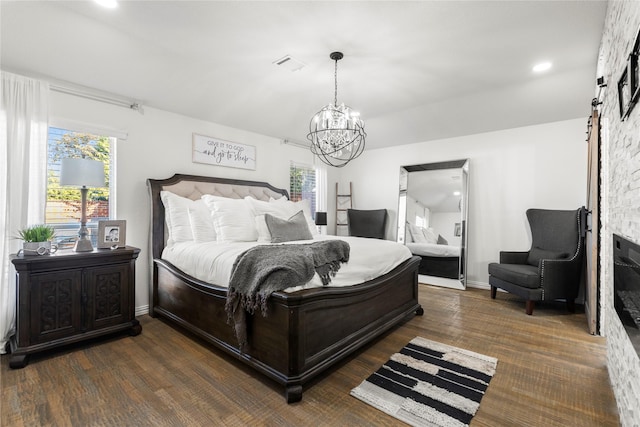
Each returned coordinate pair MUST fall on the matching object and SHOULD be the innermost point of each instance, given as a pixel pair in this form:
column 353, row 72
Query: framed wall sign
column 215, row 151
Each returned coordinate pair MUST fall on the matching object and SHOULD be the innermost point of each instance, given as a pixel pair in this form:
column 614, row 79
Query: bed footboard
column 305, row 332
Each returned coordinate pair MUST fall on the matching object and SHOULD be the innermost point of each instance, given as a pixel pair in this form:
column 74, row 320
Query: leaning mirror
column 432, row 219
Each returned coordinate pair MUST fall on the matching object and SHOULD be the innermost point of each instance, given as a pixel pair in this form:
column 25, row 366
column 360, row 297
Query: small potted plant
column 37, row 240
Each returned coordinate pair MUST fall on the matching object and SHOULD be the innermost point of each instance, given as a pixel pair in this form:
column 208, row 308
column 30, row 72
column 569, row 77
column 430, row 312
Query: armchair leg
column 529, row 307
column 493, row 292
column 571, row 305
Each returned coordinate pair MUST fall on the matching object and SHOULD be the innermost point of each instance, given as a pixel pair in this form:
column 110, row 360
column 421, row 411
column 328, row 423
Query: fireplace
column 626, row 285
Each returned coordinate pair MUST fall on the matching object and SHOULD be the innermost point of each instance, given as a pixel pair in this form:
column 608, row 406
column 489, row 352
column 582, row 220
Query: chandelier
column 336, row 132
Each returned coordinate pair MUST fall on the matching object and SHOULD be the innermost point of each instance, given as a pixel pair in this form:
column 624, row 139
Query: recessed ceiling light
column 456, row 193
column 542, row 67
column 110, row 4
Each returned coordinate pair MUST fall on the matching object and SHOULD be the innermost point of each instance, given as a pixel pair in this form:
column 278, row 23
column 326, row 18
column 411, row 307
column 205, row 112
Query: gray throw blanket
column 262, row 270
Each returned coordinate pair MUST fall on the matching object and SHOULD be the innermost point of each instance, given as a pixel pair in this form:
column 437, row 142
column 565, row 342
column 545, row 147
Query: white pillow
column 416, row 234
column 294, row 207
column 431, row 235
column 282, row 199
column 260, row 208
column 233, row 219
column 264, row 235
column 176, row 215
column 202, row 224
column 409, row 236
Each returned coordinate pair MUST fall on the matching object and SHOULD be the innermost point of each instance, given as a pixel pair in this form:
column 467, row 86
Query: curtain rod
column 296, row 143
column 120, row 102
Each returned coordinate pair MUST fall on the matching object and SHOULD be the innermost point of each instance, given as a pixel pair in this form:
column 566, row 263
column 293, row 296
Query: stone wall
column 620, row 205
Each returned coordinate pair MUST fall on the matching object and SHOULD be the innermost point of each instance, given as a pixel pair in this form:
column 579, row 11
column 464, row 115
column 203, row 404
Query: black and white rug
column 429, row 384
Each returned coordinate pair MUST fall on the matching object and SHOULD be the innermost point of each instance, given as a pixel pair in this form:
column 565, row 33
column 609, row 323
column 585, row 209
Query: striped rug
column 429, row 384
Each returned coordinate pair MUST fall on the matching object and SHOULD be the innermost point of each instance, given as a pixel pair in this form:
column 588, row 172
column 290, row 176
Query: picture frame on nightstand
column 112, row 234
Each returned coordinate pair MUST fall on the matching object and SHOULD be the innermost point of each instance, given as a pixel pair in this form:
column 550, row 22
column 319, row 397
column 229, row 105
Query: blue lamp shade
column 82, row 173
column 321, row 218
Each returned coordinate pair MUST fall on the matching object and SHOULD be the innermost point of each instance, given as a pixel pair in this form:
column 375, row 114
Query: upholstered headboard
column 192, row 187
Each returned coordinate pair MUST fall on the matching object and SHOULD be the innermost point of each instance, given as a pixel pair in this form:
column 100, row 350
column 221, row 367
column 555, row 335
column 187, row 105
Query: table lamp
column 321, row 220
column 83, row 173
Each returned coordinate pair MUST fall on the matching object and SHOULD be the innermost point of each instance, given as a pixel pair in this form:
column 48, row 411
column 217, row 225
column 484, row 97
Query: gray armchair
column 367, row 223
column 552, row 268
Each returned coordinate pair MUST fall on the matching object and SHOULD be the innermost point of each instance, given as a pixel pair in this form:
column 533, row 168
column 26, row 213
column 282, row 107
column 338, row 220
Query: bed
column 437, row 256
column 305, row 331
column 437, row 259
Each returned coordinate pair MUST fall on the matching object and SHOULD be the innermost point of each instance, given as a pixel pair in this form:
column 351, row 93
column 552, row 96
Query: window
column 422, row 216
column 63, row 208
column 307, row 183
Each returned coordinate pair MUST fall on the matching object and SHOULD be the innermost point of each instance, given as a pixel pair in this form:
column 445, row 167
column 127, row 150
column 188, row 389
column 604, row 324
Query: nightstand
column 72, row 296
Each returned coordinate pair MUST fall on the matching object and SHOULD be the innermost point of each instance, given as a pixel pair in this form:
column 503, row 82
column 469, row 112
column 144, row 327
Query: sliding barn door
column 591, row 305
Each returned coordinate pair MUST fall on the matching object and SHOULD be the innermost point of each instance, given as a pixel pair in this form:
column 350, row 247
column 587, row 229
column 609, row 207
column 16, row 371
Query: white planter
column 38, row 248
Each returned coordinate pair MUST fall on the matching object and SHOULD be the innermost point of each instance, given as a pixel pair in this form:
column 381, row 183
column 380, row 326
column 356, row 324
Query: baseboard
column 430, row 280
column 440, row 281
column 478, row 285
column 143, row 309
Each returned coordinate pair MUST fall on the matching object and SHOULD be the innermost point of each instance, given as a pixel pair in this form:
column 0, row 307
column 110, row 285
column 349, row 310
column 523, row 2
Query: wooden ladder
column 343, row 203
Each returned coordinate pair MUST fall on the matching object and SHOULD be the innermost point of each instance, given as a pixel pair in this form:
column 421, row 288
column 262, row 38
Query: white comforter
column 212, row 262
column 432, row 249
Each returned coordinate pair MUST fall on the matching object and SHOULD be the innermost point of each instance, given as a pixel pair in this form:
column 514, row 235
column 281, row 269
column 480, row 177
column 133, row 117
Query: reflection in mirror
column 432, row 219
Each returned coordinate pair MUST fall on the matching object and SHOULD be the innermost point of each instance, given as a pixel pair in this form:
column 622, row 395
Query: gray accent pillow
column 442, row 240
column 536, row 254
column 287, row 230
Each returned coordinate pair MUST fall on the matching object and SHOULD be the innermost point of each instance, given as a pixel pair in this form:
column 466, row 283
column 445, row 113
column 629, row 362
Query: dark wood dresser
column 72, row 296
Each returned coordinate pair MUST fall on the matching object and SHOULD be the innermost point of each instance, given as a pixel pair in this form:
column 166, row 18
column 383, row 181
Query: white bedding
column 432, row 249
column 212, row 261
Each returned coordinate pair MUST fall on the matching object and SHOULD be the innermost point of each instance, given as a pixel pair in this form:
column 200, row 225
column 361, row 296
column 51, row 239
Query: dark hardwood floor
column 551, row 372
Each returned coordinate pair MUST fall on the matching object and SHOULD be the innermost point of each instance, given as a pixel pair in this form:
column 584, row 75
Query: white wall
column 540, row 166
column 158, row 146
column 444, row 224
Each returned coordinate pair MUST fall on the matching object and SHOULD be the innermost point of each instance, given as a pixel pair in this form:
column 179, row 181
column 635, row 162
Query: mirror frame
column 463, row 164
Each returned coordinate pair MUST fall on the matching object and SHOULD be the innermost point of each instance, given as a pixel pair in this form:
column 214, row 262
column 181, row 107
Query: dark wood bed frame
column 305, row 332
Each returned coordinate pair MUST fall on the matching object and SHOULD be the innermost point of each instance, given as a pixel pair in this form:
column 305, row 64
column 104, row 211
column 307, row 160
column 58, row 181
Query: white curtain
column 23, row 178
column 321, row 188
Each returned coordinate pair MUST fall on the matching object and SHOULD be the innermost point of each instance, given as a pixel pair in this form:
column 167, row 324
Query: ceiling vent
column 289, row 63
